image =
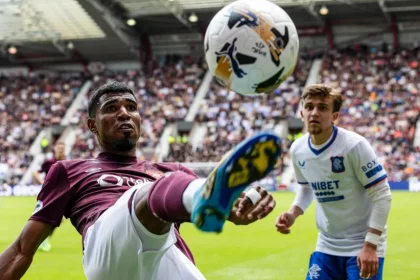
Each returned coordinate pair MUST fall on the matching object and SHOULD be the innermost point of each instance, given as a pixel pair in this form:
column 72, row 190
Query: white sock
column 188, row 195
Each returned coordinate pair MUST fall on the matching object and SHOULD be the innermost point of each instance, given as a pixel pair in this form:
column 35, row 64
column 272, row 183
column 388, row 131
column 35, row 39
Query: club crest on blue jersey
column 337, row 164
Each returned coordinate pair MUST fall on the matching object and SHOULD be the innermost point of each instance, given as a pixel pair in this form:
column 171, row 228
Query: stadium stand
column 230, row 117
column 382, row 97
column 28, row 104
column 165, row 92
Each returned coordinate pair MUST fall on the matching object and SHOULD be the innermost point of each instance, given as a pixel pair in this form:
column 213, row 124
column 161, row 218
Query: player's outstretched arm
column 17, row 258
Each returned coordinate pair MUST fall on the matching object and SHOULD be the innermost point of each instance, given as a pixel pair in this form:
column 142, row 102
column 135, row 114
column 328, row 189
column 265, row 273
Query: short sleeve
column 54, row 196
column 187, row 170
column 366, row 164
column 43, row 168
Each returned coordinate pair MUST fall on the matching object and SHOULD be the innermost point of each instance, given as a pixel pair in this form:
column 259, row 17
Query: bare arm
column 296, row 211
column 37, row 177
column 16, row 259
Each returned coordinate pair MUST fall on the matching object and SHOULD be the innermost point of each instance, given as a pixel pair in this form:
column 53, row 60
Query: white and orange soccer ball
column 251, row 46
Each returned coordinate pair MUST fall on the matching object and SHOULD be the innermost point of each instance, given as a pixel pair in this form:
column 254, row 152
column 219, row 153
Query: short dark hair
column 323, row 91
column 112, row 87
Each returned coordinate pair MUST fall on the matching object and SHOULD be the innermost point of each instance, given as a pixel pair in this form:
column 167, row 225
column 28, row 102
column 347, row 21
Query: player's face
column 318, row 115
column 59, row 151
column 118, row 121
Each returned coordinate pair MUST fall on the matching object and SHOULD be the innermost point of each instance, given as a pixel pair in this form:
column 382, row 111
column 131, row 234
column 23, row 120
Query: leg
column 114, row 247
column 160, row 204
column 324, row 267
column 353, row 271
column 164, row 201
column 250, row 161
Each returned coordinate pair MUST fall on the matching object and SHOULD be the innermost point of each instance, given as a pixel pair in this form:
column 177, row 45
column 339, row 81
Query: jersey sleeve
column 187, row 170
column 54, row 197
column 299, row 176
column 43, row 168
column 366, row 164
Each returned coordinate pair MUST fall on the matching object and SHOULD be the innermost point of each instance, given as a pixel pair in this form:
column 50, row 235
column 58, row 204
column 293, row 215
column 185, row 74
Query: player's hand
column 245, row 212
column 284, row 222
column 368, row 261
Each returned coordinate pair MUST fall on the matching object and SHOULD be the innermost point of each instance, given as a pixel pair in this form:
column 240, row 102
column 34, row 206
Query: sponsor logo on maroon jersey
column 155, row 173
column 110, row 180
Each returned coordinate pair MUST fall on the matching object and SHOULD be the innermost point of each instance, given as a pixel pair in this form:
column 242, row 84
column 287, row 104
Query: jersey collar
column 317, row 152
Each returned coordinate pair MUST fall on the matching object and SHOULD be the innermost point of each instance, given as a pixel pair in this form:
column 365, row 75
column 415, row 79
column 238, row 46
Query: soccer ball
column 251, row 46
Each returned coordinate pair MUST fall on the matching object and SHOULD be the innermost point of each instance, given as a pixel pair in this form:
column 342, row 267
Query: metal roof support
column 383, row 9
column 117, row 25
column 177, row 12
column 45, row 29
column 310, row 8
column 402, row 9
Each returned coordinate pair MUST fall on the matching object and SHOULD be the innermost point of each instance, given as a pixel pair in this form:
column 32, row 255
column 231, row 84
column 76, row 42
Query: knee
column 145, row 215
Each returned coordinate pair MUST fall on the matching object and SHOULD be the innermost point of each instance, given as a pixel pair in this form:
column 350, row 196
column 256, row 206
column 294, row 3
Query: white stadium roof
column 42, row 29
column 41, row 20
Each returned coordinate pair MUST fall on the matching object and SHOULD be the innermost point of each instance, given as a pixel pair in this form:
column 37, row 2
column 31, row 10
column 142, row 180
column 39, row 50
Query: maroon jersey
column 83, row 189
column 46, row 166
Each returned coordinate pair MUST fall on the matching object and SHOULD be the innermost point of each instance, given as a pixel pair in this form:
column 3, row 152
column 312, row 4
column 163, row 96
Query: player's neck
column 130, row 153
column 322, row 137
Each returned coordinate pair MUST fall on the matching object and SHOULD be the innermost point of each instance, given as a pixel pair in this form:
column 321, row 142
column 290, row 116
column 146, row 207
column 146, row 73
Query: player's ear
column 92, row 125
column 301, row 114
column 335, row 116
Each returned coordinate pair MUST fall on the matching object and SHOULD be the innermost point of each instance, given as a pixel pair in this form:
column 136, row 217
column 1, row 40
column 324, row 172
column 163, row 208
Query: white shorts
column 113, row 249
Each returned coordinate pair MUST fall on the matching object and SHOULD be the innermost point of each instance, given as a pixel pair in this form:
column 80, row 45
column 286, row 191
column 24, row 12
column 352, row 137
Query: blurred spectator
column 382, row 97
column 231, row 117
column 59, row 154
column 27, row 105
column 164, row 94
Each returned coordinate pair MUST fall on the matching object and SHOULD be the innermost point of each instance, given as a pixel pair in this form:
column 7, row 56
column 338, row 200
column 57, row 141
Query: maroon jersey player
column 128, row 212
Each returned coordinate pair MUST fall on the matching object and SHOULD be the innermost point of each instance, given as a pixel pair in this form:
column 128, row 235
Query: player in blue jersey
column 340, row 169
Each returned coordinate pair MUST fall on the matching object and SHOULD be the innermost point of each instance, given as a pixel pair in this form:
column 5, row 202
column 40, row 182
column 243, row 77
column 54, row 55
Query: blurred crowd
column 381, row 90
column 164, row 93
column 230, row 117
column 382, row 98
column 28, row 103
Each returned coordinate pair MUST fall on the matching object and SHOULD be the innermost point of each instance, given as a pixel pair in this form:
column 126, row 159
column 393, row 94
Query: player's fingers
column 268, row 209
column 260, row 206
column 236, row 205
column 277, row 220
column 283, row 229
column 373, row 268
column 363, row 273
column 256, row 210
column 367, row 273
column 241, row 196
column 376, row 268
column 282, row 219
column 244, row 205
column 287, row 219
column 251, row 200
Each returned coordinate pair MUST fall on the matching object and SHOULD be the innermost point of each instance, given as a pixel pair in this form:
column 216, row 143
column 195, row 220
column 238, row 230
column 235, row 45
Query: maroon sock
column 165, row 197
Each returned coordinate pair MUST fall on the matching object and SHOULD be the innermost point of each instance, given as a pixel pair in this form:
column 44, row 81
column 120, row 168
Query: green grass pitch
column 252, row 252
